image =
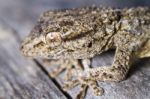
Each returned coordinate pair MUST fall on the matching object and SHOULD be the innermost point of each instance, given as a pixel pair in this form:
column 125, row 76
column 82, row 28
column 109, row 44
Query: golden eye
column 53, row 39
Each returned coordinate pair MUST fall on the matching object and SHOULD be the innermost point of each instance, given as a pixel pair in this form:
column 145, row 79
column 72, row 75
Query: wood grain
column 21, row 78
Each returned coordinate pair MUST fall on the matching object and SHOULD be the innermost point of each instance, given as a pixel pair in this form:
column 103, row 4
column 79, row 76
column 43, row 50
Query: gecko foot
column 64, row 65
column 84, row 84
column 82, row 78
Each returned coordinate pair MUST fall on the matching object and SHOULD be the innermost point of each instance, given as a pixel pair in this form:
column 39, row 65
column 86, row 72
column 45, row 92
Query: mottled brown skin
column 85, row 32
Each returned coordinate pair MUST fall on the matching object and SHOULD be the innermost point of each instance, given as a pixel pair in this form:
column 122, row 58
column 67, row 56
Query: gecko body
column 82, row 33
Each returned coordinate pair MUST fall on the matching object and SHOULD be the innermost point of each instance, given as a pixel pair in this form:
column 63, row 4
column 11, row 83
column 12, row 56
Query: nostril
column 24, row 50
column 21, row 47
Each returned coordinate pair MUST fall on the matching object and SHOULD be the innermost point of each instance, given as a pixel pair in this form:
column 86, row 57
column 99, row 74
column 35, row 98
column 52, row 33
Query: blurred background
column 22, row 14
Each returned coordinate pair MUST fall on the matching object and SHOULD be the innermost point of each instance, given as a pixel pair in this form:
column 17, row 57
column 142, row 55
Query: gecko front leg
column 116, row 72
column 67, row 65
column 85, row 83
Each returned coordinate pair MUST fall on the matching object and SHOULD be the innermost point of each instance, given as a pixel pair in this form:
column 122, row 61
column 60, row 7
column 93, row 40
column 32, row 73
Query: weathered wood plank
column 136, row 86
column 20, row 78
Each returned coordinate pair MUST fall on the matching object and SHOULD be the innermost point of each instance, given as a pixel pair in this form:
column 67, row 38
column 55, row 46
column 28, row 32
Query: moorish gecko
column 82, row 33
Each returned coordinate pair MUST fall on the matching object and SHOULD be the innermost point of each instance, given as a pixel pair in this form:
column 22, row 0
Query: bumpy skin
column 85, row 32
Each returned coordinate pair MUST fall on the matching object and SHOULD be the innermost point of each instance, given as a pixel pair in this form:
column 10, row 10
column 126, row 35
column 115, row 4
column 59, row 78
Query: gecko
column 76, row 35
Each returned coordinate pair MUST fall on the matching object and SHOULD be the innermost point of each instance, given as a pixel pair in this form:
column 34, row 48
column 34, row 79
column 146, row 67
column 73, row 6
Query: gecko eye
column 53, row 39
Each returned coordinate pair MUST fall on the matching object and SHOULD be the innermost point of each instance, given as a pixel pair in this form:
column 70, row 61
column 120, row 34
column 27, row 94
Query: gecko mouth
column 27, row 48
column 31, row 47
column 37, row 50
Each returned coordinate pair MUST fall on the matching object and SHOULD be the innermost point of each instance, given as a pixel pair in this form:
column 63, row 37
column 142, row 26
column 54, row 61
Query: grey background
column 22, row 14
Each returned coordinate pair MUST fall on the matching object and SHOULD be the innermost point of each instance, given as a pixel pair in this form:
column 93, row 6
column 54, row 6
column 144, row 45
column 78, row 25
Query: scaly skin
column 83, row 33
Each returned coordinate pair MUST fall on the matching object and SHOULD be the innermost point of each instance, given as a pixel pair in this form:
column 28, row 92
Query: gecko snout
column 26, row 51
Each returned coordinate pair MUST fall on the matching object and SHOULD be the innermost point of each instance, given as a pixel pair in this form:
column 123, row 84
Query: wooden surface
column 21, row 78
column 24, row 78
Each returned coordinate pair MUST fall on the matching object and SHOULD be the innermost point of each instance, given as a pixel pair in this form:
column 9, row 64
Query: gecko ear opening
column 53, row 39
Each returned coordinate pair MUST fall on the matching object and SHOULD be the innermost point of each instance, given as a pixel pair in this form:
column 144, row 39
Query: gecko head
column 42, row 44
column 56, row 37
column 55, row 45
